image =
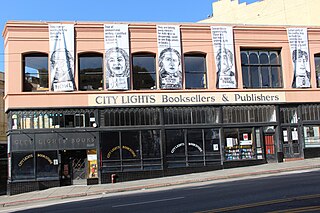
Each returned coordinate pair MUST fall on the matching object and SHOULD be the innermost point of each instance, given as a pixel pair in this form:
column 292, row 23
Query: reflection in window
column 35, row 72
column 144, row 72
column 23, row 166
column 90, row 72
column 45, row 164
column 195, row 71
column 261, row 69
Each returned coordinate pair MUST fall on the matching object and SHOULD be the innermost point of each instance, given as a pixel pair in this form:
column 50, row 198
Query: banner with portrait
column 298, row 42
column 222, row 40
column 61, row 43
column 116, row 44
column 169, row 50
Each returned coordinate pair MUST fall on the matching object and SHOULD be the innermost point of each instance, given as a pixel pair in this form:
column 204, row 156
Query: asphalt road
column 294, row 192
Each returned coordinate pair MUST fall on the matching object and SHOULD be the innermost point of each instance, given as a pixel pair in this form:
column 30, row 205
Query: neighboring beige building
column 266, row 12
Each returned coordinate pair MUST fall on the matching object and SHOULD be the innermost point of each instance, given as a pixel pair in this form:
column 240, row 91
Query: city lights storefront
column 141, row 136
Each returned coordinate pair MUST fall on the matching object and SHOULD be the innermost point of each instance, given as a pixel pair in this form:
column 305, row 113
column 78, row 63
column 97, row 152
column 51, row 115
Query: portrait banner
column 116, row 44
column 298, row 42
column 169, row 50
column 61, row 42
column 222, row 41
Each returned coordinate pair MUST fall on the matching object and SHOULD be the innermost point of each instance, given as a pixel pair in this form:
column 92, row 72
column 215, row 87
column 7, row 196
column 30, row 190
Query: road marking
column 146, row 202
column 299, row 210
column 263, row 203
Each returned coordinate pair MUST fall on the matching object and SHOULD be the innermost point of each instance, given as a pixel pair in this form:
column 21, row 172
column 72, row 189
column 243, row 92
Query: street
column 295, row 191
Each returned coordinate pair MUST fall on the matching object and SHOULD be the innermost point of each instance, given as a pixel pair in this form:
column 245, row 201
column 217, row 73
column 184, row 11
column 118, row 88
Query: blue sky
column 104, row 10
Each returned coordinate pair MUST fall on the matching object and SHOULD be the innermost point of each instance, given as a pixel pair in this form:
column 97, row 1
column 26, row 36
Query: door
column 74, row 167
column 269, row 147
column 291, row 145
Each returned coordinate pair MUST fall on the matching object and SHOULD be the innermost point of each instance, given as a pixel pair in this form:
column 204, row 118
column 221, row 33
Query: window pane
column 45, row 165
column 22, row 166
column 244, row 58
column 150, row 144
column 275, row 72
column 265, row 77
column 245, row 76
column 195, row 71
column 144, row 74
column 110, row 147
column 175, row 148
column 274, row 58
column 91, row 72
column 130, row 146
column 253, row 58
column 255, row 80
column 264, row 59
column 195, row 142
column 35, row 73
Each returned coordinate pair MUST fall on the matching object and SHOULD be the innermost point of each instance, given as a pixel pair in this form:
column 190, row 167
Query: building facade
column 92, row 102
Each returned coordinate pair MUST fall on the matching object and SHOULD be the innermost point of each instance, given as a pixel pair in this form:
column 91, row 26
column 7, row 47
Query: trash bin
column 280, row 157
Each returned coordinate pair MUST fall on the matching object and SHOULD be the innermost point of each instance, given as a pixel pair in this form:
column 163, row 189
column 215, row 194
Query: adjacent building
column 96, row 102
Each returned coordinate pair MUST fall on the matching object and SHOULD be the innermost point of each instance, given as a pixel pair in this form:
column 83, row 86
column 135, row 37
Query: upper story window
column 195, row 71
column 261, row 69
column 90, row 71
column 35, row 72
column 144, row 71
column 317, row 66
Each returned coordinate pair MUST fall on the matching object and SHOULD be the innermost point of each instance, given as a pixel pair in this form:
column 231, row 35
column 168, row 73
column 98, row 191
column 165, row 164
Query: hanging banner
column 298, row 41
column 222, row 40
column 116, row 44
column 169, row 50
column 61, row 44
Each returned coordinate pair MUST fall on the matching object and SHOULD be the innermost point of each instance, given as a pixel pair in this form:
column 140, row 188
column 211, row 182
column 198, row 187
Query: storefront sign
column 185, row 99
column 47, row 158
column 86, row 140
column 24, row 159
column 46, row 141
column 21, row 142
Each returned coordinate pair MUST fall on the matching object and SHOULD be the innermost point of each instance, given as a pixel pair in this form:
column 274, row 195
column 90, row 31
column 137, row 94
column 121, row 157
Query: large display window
column 23, row 166
column 47, row 164
column 311, row 136
column 192, row 147
column 239, row 144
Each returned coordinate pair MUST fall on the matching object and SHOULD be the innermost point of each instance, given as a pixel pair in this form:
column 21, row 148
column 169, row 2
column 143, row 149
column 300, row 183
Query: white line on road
column 146, row 202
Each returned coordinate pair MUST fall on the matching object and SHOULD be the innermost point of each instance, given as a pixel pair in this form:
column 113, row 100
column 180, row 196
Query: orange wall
column 24, row 37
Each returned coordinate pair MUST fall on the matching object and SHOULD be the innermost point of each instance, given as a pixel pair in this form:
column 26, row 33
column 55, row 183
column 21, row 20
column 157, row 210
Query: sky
column 104, row 10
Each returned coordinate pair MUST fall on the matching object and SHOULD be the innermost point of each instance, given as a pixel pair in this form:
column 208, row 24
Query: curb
column 159, row 185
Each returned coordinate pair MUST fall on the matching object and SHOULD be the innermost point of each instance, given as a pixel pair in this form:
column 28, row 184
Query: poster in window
column 169, row 49
column 298, row 42
column 61, row 44
column 222, row 40
column 116, row 44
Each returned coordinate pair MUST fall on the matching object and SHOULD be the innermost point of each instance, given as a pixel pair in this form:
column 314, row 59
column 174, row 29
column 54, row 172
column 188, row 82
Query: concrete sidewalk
column 83, row 190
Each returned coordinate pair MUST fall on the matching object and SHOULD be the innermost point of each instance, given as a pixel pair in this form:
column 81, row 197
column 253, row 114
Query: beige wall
column 266, row 12
column 24, row 37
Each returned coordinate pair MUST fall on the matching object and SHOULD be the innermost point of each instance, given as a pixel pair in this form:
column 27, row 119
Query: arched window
column 144, row 71
column 90, row 71
column 35, row 72
column 195, row 71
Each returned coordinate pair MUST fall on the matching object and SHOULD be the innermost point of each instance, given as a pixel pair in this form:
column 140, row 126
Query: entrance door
column 269, row 146
column 291, row 146
column 74, row 167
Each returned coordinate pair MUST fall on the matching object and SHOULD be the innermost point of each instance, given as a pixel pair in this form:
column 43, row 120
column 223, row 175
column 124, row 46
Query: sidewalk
column 83, row 190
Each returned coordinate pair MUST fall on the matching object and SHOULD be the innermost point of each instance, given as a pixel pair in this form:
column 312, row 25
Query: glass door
column 291, row 145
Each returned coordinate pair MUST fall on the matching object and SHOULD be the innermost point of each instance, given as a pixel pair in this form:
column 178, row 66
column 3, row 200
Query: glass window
column 317, row 66
column 35, row 72
column 90, row 71
column 312, row 136
column 262, row 70
column 144, row 72
column 46, row 166
column 175, row 147
column 22, row 166
column 195, row 71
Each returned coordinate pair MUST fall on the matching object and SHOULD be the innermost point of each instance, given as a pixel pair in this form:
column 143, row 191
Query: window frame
column 80, row 74
column 24, row 64
column 193, row 72
column 261, row 68
column 153, row 74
